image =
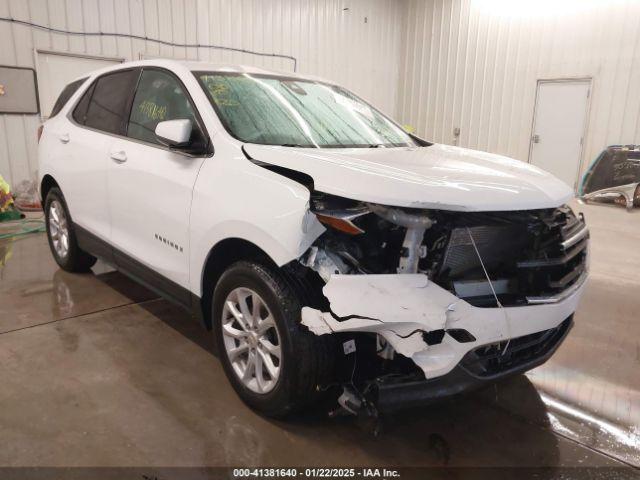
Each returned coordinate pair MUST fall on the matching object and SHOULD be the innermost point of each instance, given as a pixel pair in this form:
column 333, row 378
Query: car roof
column 196, row 66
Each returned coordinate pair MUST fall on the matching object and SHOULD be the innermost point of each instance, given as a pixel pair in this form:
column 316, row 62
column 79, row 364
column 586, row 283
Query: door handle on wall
column 119, row 157
column 64, row 137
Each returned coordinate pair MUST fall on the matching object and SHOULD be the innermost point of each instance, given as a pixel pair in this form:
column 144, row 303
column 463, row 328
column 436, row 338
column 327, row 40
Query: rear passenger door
column 150, row 187
column 100, row 114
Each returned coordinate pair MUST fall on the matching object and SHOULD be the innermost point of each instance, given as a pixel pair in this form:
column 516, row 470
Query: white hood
column 438, row 177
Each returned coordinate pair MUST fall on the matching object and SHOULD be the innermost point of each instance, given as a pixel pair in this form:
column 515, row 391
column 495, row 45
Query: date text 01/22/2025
column 382, row 473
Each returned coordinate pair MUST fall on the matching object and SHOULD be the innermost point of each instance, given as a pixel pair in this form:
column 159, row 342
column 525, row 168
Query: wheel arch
column 222, row 255
column 46, row 184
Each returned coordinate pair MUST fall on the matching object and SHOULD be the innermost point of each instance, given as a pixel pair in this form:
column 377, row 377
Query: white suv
column 331, row 253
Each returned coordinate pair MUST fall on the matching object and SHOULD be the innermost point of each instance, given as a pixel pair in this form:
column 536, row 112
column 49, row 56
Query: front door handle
column 64, row 138
column 119, row 157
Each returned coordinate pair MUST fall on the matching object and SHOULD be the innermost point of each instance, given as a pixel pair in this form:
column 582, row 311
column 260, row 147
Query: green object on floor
column 25, row 227
column 10, row 215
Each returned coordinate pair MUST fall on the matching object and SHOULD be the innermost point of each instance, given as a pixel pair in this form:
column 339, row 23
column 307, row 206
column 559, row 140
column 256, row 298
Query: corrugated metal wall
column 474, row 64
column 435, row 64
column 355, row 42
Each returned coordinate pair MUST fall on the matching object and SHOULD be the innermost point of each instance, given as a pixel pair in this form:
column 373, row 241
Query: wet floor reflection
column 134, row 381
column 33, row 290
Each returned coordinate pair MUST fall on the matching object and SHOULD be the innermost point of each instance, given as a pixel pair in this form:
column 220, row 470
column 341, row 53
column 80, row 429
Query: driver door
column 150, row 188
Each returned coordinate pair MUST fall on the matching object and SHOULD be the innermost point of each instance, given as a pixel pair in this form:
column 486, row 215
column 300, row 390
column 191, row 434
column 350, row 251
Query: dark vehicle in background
column 614, row 177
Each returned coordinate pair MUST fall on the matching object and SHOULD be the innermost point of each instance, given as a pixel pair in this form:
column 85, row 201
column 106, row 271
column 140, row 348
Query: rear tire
column 62, row 238
column 306, row 360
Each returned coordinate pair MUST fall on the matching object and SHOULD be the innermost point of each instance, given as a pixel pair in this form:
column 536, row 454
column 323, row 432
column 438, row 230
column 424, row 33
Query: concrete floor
column 97, row 371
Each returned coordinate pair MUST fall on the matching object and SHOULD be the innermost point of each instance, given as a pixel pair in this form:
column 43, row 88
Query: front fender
column 237, row 199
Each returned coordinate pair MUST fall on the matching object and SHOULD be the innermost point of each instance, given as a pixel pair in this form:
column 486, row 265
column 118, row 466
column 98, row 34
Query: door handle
column 64, row 137
column 535, row 139
column 119, row 157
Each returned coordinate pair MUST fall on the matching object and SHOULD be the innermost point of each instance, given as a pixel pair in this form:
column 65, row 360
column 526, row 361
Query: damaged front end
column 428, row 303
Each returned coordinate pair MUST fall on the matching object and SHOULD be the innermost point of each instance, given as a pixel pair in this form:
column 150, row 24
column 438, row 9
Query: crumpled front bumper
column 397, row 393
column 401, row 308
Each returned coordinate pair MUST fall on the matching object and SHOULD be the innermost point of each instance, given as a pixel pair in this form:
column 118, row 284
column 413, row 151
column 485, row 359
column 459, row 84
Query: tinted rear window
column 107, row 108
column 66, row 94
column 80, row 112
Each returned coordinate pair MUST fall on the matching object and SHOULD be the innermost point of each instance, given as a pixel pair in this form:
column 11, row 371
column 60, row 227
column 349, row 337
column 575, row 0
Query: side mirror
column 174, row 133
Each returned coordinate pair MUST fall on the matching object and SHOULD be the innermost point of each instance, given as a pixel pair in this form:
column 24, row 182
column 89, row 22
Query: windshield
column 298, row 113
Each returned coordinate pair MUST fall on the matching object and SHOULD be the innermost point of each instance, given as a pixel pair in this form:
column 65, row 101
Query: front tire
column 273, row 362
column 62, row 238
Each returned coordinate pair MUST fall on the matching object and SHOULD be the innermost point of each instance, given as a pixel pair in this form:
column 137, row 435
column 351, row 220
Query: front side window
column 283, row 111
column 159, row 97
column 105, row 105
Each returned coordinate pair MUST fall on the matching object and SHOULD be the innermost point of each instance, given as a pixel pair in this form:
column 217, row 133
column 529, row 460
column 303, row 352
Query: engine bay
column 487, row 258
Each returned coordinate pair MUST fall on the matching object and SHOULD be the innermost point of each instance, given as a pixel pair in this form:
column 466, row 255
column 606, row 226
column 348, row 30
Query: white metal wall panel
column 474, row 64
column 329, row 37
column 55, row 71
